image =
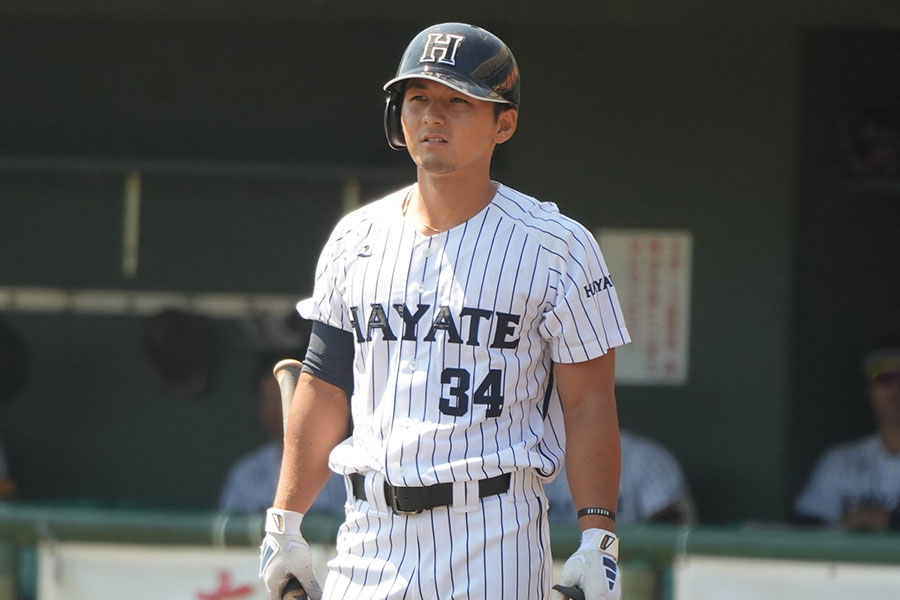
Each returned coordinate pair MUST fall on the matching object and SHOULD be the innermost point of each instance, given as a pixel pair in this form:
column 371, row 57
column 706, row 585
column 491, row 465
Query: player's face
column 885, row 395
column 447, row 131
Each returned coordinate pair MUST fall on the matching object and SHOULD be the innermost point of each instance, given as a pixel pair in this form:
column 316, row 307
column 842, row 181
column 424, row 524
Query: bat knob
column 294, row 591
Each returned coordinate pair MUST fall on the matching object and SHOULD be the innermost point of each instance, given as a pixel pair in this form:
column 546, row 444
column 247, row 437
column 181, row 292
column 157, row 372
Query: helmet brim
column 452, row 81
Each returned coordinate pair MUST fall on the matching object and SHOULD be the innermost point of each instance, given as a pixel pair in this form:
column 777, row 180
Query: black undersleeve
column 330, row 356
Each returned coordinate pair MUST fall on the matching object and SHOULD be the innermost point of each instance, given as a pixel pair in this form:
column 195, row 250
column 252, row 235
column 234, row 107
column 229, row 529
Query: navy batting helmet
column 468, row 59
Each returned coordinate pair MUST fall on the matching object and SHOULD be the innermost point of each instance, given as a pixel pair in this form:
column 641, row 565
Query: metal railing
column 649, row 549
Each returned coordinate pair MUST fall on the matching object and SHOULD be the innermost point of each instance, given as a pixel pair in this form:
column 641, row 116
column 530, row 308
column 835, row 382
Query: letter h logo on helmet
column 441, row 48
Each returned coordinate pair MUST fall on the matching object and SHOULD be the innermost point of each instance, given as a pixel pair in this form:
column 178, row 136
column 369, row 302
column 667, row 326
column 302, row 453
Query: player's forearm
column 318, row 421
column 593, row 446
column 593, row 459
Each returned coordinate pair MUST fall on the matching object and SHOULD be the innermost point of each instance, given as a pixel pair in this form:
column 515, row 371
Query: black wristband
column 597, row 510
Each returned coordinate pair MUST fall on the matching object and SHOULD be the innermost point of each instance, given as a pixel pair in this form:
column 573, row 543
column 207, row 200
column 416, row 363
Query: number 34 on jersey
column 479, row 326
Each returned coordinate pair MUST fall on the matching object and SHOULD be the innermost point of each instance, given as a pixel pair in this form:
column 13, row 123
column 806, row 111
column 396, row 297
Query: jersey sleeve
column 821, row 498
column 584, row 320
column 326, row 303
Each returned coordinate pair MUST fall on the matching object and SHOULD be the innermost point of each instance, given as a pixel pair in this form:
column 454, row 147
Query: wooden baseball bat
column 287, row 372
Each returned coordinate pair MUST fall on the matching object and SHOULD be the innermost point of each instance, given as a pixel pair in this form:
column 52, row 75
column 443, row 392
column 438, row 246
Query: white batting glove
column 285, row 554
column 594, row 567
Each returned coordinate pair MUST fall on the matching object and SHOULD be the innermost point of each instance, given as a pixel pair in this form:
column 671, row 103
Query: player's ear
column 507, row 121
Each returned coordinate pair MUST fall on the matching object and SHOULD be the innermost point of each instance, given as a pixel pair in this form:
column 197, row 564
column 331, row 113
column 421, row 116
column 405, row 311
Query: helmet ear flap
column 393, row 129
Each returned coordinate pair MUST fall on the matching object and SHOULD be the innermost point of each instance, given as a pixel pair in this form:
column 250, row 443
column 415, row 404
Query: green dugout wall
column 246, row 133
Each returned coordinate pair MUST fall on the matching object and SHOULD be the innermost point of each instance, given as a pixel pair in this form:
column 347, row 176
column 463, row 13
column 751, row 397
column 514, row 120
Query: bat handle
column 293, row 591
column 287, row 372
column 573, row 593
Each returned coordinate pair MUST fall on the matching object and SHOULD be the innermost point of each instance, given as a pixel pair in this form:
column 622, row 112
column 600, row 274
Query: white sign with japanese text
column 651, row 271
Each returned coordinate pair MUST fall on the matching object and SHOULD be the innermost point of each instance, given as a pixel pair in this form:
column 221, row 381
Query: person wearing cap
column 462, row 348
column 856, row 485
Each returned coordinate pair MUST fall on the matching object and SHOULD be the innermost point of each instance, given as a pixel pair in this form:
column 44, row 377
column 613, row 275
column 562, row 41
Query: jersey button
column 420, row 287
column 412, row 365
column 427, row 252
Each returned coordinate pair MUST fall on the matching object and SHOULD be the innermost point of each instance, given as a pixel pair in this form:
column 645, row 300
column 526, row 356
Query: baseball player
column 856, row 484
column 463, row 343
column 652, row 487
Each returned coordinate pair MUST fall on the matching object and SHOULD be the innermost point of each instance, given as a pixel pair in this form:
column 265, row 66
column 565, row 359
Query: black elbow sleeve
column 329, row 356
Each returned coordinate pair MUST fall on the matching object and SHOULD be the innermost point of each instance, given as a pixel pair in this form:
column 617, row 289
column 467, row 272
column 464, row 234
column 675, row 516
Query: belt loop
column 524, row 481
column 348, row 487
column 473, row 498
column 459, row 494
column 465, row 496
column 375, row 492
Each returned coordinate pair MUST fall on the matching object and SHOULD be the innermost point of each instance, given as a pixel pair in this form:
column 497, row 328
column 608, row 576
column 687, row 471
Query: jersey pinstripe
column 497, row 548
column 456, row 334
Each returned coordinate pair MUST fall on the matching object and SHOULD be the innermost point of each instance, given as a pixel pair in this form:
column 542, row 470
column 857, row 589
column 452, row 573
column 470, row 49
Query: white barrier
column 84, row 571
column 716, row 578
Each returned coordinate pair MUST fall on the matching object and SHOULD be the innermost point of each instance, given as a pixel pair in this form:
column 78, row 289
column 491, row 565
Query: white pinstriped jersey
column 455, row 334
column 850, row 476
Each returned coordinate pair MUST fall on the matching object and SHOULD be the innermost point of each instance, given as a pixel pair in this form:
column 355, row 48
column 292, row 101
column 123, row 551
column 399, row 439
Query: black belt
column 417, row 499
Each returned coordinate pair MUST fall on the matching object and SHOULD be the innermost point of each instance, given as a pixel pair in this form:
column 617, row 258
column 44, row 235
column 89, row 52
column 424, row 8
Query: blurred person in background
column 856, row 485
column 871, row 141
column 653, row 487
column 252, row 479
column 178, row 351
column 14, row 362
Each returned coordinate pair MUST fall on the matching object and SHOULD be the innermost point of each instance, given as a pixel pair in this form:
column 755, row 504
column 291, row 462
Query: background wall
column 629, row 119
column 691, row 128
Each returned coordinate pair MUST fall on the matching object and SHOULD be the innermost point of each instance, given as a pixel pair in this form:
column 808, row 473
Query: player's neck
column 890, row 437
column 441, row 202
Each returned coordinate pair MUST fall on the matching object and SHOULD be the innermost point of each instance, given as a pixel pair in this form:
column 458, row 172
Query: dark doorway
column 848, row 222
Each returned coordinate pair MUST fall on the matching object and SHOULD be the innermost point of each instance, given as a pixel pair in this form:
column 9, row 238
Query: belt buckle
column 391, row 495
